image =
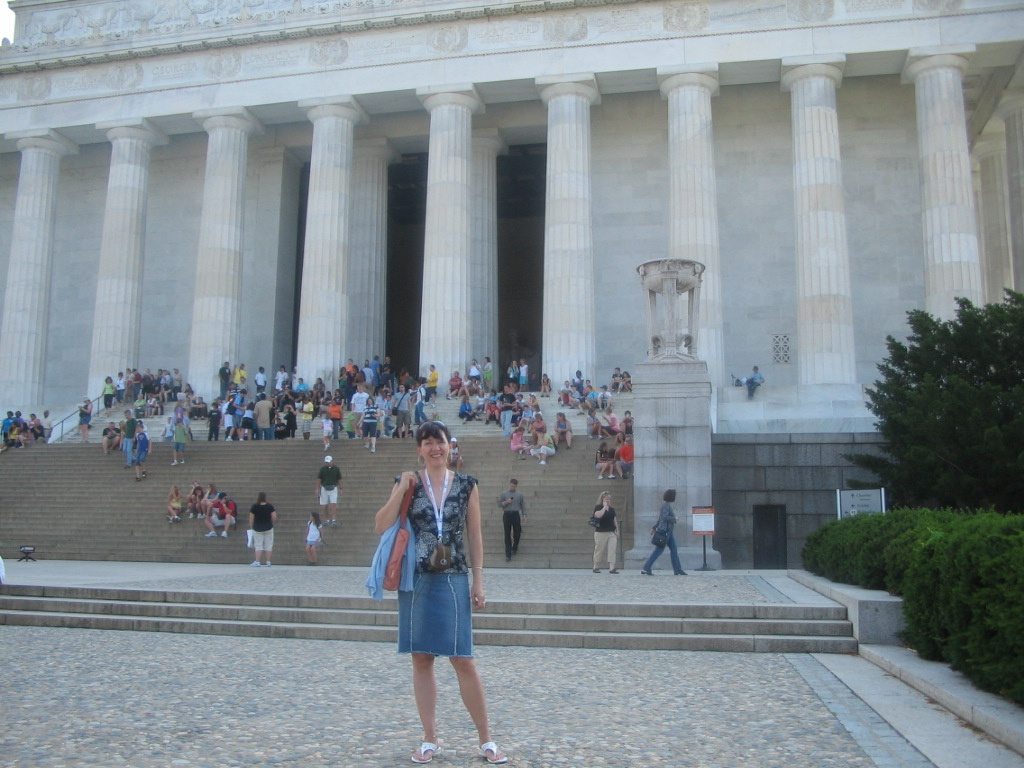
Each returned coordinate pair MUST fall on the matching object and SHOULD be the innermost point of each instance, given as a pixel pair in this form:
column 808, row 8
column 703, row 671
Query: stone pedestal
column 672, row 396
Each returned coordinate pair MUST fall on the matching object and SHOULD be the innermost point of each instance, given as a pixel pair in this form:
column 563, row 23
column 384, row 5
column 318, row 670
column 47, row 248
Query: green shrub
column 837, row 549
column 908, row 529
column 962, row 600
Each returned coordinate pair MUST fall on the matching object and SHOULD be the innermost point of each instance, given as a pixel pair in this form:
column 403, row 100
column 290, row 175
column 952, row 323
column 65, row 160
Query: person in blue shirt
column 141, row 451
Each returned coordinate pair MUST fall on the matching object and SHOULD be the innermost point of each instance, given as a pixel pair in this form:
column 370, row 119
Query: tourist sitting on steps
column 222, row 515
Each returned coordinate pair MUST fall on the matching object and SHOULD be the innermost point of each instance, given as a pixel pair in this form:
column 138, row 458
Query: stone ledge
column 877, row 616
column 1001, row 719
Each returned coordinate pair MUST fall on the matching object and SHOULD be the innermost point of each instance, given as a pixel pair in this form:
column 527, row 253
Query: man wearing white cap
column 328, row 486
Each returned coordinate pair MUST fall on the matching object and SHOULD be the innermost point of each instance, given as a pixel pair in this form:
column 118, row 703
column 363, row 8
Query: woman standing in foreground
column 666, row 523
column 434, row 618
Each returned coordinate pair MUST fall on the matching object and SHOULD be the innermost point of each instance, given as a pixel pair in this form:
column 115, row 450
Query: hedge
column 961, row 576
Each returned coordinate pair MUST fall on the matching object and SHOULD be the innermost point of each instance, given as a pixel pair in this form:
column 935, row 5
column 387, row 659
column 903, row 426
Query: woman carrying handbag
column 663, row 535
column 434, row 617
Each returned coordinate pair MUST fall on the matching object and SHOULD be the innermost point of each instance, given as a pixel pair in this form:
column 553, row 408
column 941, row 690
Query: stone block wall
column 798, row 471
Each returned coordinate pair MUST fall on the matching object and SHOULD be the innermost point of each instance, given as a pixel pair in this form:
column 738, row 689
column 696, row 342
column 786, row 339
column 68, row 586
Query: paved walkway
column 72, row 697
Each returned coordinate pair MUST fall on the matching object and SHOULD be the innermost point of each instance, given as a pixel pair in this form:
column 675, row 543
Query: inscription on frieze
column 273, row 58
column 632, row 20
column 873, row 6
column 172, row 71
column 508, row 32
column 82, row 81
column 386, row 47
column 937, row 6
column 811, row 10
column 749, row 14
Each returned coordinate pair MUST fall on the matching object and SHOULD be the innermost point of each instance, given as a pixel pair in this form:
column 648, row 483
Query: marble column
column 569, row 313
column 693, row 197
column 368, row 257
column 217, row 295
column 24, row 326
column 825, row 346
column 445, row 314
column 1011, row 110
column 323, row 303
column 118, row 313
column 487, row 145
column 952, row 266
column 993, row 217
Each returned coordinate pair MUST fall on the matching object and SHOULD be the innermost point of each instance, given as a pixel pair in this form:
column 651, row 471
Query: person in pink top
column 518, row 443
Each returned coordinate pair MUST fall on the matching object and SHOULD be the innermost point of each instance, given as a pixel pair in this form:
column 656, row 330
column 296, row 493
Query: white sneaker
column 211, row 535
column 600, row 477
column 174, row 463
column 543, row 462
column 254, row 564
column 373, row 450
column 266, row 564
column 223, row 535
column 182, row 461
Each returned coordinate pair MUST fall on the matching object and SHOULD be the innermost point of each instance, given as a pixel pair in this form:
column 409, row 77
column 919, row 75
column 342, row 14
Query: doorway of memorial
column 520, row 225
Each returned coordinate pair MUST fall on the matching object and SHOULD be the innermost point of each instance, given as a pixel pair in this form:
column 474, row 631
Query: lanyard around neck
column 438, row 510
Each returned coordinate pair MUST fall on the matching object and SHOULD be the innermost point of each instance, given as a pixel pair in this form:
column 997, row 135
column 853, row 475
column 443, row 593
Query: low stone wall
column 800, row 472
column 877, row 616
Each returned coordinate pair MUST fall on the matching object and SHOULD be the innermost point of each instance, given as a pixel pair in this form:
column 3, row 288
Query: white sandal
column 426, row 746
column 499, row 756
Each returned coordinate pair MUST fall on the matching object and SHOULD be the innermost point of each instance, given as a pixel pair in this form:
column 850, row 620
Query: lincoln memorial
column 184, row 182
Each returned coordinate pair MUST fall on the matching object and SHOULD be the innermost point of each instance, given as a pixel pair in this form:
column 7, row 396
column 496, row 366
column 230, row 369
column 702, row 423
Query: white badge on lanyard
column 438, row 510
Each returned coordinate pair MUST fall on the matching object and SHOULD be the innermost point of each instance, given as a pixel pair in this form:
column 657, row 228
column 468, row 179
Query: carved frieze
column 566, row 28
column 449, row 39
column 328, row 53
column 686, row 17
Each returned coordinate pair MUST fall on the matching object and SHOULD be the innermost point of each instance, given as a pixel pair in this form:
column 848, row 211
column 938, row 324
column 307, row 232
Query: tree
column 950, row 405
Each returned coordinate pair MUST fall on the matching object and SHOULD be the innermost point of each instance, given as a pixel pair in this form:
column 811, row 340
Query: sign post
column 704, row 526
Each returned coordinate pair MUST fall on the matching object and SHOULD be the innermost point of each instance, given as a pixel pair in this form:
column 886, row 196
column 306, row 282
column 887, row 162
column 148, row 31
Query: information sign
column 703, row 521
column 860, row 502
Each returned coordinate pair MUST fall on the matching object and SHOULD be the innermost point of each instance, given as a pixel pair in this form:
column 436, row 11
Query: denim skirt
column 436, row 616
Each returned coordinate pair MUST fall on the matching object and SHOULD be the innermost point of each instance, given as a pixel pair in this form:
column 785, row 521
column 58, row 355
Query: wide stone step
column 491, row 620
column 651, row 626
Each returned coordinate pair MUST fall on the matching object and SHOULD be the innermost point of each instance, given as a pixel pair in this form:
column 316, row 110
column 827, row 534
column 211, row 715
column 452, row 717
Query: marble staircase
column 562, row 624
